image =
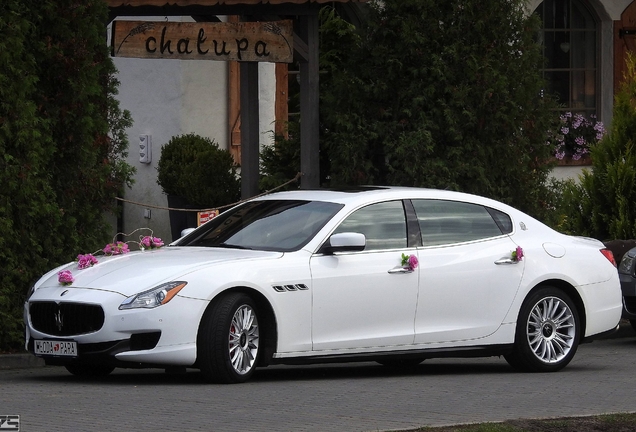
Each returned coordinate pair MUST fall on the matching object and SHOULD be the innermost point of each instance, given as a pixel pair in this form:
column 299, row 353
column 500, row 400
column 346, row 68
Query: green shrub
column 62, row 144
column 603, row 204
column 193, row 167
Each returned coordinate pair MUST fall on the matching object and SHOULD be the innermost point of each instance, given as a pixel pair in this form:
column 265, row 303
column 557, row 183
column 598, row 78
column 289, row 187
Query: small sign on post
column 270, row 41
column 203, row 217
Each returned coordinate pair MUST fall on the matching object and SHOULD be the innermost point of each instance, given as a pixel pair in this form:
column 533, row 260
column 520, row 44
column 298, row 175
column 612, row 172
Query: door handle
column 396, row 270
column 506, row 261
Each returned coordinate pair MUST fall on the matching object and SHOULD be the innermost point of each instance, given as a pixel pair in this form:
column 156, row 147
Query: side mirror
column 186, row 231
column 344, row 242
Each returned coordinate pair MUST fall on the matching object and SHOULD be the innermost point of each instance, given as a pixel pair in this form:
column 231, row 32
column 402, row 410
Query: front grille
column 66, row 319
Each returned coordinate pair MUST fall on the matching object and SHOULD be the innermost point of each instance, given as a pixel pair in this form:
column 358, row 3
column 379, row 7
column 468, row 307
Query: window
column 569, row 38
column 277, row 225
column 449, row 222
column 383, row 225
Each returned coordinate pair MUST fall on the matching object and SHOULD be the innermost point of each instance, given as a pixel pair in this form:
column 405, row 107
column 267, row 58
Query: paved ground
column 352, row 397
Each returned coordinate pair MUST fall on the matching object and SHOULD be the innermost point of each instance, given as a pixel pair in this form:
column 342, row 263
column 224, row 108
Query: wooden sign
column 240, row 41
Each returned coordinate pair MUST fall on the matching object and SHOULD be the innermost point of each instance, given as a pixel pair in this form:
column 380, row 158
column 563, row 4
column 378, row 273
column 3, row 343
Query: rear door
column 468, row 280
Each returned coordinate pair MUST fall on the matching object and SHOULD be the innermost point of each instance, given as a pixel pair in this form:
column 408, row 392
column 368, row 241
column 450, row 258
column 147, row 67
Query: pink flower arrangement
column 410, row 261
column 86, row 261
column 116, row 248
column 65, row 277
column 150, row 242
column 517, row 254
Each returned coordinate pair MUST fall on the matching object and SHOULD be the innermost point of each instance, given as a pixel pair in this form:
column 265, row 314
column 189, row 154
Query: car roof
column 364, row 194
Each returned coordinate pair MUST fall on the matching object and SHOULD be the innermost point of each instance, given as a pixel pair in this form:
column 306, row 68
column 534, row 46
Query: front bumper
column 157, row 337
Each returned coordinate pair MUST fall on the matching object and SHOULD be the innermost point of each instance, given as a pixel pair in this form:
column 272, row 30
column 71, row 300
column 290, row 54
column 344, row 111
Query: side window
column 449, row 222
column 503, row 220
column 383, row 225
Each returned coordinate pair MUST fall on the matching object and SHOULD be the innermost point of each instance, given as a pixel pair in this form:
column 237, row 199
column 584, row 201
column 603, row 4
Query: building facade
column 585, row 44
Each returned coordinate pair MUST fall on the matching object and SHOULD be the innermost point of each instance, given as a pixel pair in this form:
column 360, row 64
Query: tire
column 228, row 341
column 547, row 334
column 85, row 370
column 633, row 323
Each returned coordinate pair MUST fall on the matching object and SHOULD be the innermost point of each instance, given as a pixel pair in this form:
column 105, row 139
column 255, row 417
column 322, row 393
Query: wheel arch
column 571, row 292
column 267, row 320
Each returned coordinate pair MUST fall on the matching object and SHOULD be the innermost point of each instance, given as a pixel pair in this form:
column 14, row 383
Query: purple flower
column 116, row 248
column 517, row 254
column 149, row 242
column 86, row 261
column 65, row 277
column 413, row 262
column 576, row 135
column 409, row 261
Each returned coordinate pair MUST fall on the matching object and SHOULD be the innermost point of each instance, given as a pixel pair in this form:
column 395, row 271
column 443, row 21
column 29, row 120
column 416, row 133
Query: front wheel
column 548, row 332
column 228, row 342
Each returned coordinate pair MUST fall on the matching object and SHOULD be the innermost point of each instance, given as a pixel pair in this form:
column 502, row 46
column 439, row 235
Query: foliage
column 437, row 94
column 193, row 167
column 603, row 204
column 281, row 162
column 61, row 141
column 575, row 135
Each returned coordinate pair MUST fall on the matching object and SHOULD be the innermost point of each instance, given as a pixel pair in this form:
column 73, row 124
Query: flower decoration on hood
column 517, row 254
column 65, row 277
column 149, row 242
column 410, row 261
column 116, row 248
column 85, row 261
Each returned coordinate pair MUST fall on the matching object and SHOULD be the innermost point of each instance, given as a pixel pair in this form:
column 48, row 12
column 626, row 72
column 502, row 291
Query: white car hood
column 134, row 272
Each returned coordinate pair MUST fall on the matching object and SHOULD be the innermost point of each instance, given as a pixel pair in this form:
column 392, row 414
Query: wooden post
column 249, row 129
column 309, row 105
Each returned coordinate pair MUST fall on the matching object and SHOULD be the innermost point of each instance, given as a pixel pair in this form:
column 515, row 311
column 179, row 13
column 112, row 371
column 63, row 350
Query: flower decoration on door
column 517, row 254
column 410, row 261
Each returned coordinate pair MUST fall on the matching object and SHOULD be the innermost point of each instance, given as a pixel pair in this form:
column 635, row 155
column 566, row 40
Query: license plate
column 56, row 348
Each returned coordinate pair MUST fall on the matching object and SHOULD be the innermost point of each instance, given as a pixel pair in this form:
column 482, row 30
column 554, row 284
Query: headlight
column 152, row 298
column 627, row 264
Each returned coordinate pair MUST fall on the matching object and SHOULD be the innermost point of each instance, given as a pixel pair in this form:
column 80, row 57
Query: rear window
column 448, row 222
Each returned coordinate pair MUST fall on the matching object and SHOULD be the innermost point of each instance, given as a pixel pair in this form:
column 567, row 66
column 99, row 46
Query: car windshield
column 276, row 225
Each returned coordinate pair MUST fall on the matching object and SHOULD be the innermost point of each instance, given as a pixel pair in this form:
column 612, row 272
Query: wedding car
column 385, row 274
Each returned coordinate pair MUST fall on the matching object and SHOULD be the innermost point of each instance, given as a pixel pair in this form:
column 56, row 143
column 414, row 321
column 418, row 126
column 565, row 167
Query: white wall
column 175, row 97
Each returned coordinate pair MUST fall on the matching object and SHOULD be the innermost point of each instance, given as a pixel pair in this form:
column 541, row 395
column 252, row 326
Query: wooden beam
column 249, row 129
column 281, row 104
column 309, row 106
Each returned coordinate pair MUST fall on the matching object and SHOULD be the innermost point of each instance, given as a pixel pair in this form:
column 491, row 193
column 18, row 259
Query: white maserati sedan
column 393, row 275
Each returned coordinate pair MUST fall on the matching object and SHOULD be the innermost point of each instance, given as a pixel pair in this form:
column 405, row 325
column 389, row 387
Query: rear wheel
column 633, row 323
column 228, row 342
column 84, row 370
column 548, row 332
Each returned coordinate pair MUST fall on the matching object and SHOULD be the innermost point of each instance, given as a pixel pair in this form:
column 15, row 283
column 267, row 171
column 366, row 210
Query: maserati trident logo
column 59, row 320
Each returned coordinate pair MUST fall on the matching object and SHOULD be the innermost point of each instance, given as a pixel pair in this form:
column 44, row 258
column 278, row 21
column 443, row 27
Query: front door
column 364, row 299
